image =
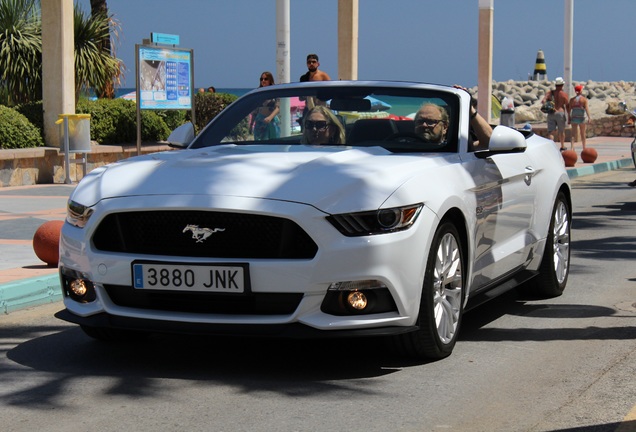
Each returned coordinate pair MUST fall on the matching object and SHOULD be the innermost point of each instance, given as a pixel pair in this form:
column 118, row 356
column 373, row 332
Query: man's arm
column 482, row 129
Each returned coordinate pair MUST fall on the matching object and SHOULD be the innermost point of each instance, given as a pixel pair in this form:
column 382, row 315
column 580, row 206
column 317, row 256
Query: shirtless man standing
column 558, row 119
column 313, row 74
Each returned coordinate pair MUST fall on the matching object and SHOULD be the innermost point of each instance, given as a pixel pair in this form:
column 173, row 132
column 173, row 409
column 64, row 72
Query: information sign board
column 164, row 77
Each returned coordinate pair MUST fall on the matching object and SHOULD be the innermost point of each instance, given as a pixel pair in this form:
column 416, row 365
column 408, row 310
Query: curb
column 599, row 167
column 31, row 292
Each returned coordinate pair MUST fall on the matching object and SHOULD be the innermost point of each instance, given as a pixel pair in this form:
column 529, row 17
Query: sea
column 235, row 91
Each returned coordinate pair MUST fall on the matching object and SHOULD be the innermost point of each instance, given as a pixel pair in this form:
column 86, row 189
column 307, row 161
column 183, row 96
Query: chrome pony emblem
column 200, row 234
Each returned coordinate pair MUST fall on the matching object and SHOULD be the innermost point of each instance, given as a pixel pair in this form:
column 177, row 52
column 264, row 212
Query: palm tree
column 99, row 8
column 95, row 67
column 20, row 51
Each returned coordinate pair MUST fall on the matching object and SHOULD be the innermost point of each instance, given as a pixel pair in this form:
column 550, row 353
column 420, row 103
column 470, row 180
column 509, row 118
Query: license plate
column 218, row 278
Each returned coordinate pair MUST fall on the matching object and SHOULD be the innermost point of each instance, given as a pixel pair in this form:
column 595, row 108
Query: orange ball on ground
column 46, row 242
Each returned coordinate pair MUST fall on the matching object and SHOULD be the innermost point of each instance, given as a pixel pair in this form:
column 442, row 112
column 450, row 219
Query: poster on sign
column 164, row 77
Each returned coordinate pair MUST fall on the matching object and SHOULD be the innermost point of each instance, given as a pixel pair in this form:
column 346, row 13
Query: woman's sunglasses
column 319, row 125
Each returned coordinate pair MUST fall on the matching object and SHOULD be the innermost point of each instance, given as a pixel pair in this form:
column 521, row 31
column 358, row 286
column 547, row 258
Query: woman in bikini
column 577, row 111
column 265, row 121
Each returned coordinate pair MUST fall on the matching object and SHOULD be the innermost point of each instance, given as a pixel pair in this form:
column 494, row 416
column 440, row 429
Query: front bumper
column 291, row 330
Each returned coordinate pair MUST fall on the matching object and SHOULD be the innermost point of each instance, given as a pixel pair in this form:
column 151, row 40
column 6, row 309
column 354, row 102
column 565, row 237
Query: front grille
column 227, row 235
column 212, row 303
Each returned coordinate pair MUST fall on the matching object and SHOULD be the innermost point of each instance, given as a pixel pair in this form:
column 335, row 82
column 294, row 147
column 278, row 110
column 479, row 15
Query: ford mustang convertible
column 319, row 209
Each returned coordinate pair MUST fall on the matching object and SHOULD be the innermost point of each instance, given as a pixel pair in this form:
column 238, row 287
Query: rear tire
column 442, row 302
column 555, row 264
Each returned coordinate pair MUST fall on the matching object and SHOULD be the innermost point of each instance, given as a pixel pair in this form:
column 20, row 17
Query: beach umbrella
column 130, row 96
column 378, row 105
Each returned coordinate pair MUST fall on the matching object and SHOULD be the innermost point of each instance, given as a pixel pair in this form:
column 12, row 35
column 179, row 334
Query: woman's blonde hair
column 337, row 133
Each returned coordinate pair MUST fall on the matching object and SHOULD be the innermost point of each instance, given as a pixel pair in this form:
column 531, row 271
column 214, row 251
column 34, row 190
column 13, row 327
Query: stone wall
column 611, row 126
column 45, row 165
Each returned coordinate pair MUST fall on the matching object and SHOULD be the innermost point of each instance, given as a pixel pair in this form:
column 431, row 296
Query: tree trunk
column 99, row 7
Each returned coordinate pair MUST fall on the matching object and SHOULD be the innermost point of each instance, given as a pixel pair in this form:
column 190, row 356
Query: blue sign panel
column 166, row 39
column 165, row 78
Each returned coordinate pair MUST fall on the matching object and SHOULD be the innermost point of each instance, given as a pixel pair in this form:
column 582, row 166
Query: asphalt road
column 520, row 365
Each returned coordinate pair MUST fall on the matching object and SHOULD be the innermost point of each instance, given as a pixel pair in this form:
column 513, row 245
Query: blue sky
column 420, row 40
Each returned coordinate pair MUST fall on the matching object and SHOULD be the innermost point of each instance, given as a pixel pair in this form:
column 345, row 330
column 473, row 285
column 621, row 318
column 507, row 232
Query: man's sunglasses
column 427, row 122
column 320, row 125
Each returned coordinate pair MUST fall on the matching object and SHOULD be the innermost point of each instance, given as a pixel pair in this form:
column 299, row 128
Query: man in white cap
column 557, row 119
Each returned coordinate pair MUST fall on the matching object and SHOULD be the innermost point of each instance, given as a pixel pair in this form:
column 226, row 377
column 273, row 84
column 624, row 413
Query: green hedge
column 113, row 121
column 16, row 131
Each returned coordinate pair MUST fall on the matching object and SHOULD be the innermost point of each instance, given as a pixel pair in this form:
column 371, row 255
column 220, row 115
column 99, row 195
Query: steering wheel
column 406, row 137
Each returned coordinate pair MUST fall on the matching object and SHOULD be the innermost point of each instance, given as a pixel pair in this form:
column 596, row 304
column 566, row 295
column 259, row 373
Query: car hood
column 328, row 178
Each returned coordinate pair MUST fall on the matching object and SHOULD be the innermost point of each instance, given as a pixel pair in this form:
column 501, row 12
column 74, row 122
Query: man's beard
column 430, row 136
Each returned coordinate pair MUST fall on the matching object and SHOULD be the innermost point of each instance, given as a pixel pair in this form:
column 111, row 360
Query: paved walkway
column 26, row 281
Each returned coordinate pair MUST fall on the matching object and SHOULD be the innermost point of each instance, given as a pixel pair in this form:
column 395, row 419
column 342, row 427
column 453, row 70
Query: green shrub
column 114, row 121
column 172, row 118
column 16, row 131
column 34, row 113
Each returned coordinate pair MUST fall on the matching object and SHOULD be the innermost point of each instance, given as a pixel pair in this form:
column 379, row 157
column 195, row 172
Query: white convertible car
column 258, row 226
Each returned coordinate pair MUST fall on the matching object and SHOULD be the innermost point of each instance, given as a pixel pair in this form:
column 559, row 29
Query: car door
column 504, row 193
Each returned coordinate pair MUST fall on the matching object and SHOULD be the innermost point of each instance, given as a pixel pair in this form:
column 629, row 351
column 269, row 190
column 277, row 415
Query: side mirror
column 504, row 138
column 182, row 136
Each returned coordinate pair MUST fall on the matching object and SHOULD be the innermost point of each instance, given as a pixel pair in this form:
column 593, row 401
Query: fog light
column 357, row 300
column 78, row 287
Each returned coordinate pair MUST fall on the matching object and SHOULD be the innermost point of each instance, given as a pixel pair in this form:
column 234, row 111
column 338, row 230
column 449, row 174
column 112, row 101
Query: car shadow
column 516, row 303
column 210, row 358
column 267, row 360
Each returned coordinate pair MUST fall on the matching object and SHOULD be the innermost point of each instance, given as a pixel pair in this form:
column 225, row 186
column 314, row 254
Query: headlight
column 77, row 214
column 377, row 221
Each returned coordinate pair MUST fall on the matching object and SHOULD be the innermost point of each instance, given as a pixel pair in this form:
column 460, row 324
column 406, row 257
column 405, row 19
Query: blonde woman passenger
column 321, row 126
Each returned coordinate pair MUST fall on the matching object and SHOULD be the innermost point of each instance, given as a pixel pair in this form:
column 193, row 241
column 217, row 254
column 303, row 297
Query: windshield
column 400, row 119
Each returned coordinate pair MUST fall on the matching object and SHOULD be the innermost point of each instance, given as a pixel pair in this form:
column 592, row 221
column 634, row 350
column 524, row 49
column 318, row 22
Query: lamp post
column 567, row 45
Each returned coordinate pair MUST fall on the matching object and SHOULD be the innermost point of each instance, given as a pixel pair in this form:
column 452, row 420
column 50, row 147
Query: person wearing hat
column 578, row 110
column 557, row 118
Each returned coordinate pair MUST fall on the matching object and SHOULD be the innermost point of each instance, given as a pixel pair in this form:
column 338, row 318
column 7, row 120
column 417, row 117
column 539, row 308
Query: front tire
column 555, row 264
column 442, row 302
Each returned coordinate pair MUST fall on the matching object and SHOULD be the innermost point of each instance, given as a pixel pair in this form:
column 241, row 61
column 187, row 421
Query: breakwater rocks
column 603, row 97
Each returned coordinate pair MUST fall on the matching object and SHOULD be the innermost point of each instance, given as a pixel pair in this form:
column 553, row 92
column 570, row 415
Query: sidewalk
column 26, row 281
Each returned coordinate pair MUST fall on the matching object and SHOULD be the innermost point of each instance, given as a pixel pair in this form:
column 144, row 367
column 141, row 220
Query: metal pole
column 567, row 45
column 138, row 98
column 67, row 160
column 283, row 73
